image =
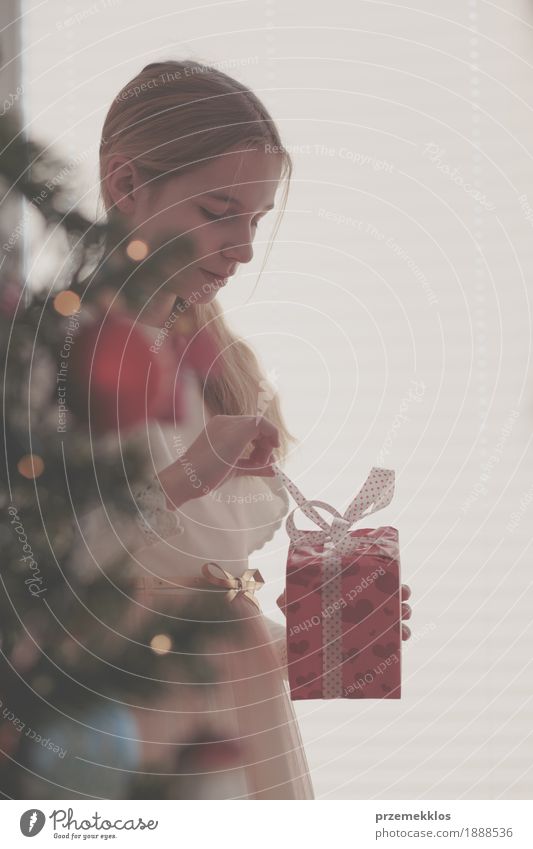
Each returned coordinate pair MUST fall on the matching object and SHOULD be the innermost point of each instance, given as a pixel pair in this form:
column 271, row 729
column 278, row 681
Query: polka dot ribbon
column 376, row 492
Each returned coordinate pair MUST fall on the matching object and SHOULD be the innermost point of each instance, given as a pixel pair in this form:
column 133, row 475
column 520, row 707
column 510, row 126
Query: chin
column 197, row 296
column 206, row 292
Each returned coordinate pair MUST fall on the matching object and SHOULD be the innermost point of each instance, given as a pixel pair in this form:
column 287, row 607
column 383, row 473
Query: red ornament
column 10, row 298
column 113, row 378
column 197, row 353
column 171, row 404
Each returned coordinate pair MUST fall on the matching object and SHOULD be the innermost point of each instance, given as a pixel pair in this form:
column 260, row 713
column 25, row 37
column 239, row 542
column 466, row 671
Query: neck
column 156, row 312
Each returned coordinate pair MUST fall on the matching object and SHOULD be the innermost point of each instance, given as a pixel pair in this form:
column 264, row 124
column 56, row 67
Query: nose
column 239, row 253
column 242, row 251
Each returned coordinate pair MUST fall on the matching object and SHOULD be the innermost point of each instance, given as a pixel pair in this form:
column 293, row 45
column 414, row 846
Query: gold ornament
column 247, row 583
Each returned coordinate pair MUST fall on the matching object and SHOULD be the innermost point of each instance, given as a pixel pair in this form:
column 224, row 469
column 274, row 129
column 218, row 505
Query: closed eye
column 211, row 216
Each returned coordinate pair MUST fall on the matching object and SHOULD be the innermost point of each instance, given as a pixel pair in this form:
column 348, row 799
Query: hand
column 406, row 611
column 406, row 608
column 217, row 453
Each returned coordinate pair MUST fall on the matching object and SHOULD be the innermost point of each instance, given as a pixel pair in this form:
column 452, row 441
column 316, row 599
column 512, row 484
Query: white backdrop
column 395, row 312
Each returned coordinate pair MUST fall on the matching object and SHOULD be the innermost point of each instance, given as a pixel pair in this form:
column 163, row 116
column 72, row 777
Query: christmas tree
column 65, row 686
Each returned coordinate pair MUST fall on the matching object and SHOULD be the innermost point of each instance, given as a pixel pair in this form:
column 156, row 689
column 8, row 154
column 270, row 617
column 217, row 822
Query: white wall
column 405, row 278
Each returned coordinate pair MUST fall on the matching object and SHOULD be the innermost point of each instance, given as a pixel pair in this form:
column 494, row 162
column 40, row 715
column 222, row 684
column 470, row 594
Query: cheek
column 175, row 223
column 208, row 240
column 158, row 227
column 165, row 218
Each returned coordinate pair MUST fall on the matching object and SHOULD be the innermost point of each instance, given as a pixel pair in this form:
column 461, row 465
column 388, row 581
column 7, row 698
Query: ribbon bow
column 247, row 583
column 376, row 492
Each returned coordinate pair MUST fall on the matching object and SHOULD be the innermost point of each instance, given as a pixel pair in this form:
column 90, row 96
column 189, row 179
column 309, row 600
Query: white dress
column 247, row 706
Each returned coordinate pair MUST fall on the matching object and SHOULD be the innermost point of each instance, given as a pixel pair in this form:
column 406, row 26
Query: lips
column 221, row 279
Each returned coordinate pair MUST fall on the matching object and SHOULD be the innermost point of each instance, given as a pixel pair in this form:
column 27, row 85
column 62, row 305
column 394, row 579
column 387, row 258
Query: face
column 219, row 205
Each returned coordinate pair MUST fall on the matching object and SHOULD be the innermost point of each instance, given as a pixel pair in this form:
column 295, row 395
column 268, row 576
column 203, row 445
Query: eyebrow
column 229, row 199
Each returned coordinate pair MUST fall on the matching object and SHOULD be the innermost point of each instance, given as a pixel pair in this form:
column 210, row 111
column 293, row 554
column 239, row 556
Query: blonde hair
column 163, row 119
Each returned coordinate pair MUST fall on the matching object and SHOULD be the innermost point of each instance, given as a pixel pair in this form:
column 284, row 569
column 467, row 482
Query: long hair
column 172, row 116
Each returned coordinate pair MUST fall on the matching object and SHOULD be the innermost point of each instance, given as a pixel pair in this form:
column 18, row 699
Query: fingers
column 261, row 471
column 262, row 451
column 259, row 461
column 406, row 611
column 281, row 601
column 268, row 431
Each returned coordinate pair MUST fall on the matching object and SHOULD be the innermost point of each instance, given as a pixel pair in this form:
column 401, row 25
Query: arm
column 105, row 534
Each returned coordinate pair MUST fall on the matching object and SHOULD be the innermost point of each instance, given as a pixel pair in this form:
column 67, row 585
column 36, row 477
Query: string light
column 161, row 643
column 137, row 250
column 67, row 303
column 30, row 466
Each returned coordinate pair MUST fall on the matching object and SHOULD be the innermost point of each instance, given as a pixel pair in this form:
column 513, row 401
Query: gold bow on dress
column 247, row 583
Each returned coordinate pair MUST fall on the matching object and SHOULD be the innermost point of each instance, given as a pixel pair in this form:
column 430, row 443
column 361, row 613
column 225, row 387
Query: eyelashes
column 211, row 216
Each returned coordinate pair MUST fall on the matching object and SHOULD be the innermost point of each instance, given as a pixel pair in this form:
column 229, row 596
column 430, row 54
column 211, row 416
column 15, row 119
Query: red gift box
column 342, row 599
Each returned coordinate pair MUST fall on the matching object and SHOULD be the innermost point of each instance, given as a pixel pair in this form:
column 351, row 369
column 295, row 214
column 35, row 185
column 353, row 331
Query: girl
column 187, row 149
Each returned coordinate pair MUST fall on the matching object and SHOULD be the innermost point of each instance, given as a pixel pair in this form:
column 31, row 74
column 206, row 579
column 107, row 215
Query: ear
column 123, row 180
